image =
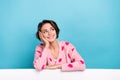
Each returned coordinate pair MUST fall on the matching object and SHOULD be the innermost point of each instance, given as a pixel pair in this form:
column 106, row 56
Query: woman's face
column 48, row 32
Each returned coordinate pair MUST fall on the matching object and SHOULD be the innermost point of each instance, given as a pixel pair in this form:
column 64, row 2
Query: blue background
column 92, row 26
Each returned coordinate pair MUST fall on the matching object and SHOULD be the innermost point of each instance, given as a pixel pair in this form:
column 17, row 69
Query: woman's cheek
column 45, row 35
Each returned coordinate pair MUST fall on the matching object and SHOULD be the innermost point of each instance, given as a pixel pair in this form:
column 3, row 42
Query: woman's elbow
column 83, row 68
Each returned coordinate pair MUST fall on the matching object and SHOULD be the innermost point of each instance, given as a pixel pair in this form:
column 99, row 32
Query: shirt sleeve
column 40, row 58
column 75, row 61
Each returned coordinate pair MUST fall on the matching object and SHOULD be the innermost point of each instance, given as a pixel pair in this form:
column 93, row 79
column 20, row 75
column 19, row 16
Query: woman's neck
column 54, row 48
column 53, row 44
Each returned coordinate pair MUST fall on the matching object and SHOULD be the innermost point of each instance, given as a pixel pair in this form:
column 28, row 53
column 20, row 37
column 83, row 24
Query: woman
column 54, row 54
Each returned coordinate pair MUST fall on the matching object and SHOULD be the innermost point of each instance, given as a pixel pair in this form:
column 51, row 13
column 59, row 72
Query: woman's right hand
column 45, row 42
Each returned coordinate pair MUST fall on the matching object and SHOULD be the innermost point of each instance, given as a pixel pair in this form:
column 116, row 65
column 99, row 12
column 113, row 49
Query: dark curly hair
column 53, row 24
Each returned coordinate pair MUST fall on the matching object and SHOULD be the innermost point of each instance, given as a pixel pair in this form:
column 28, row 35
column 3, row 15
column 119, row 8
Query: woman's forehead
column 46, row 26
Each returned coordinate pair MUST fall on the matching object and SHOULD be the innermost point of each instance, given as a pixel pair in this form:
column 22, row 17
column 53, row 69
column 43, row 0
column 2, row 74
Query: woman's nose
column 49, row 32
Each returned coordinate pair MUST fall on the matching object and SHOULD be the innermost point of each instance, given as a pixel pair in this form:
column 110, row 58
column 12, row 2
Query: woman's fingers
column 41, row 36
column 45, row 42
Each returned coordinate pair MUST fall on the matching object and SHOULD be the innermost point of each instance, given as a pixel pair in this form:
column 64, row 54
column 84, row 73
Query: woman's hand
column 45, row 42
column 58, row 66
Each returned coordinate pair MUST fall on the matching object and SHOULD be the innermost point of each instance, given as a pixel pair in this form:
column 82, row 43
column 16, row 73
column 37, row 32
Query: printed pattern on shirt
column 68, row 57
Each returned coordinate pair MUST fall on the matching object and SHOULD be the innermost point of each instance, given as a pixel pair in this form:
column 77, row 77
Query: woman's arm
column 76, row 61
column 40, row 58
column 57, row 66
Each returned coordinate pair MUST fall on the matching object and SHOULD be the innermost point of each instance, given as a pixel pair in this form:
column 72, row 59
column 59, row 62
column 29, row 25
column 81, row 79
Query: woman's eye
column 45, row 32
column 53, row 29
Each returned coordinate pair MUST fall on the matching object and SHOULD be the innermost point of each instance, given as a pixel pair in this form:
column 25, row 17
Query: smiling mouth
column 51, row 37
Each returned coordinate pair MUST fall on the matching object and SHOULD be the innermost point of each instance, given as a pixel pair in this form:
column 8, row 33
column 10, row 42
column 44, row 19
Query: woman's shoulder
column 65, row 43
column 39, row 45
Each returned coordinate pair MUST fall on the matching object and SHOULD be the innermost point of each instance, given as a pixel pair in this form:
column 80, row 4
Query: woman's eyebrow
column 44, row 30
column 51, row 27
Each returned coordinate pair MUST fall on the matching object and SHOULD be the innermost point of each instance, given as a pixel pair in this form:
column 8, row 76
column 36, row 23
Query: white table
column 32, row 74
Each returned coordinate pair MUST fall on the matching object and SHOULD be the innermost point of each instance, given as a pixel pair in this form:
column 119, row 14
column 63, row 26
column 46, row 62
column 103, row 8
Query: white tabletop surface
column 32, row 74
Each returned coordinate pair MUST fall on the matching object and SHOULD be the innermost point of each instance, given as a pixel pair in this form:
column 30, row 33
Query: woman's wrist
column 46, row 45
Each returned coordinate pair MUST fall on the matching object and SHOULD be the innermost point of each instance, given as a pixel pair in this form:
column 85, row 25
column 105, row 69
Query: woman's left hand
column 58, row 66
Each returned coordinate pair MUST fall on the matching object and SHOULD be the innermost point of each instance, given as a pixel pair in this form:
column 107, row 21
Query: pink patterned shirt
column 68, row 57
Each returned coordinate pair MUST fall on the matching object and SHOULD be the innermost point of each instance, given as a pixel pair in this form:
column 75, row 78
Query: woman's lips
column 50, row 37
